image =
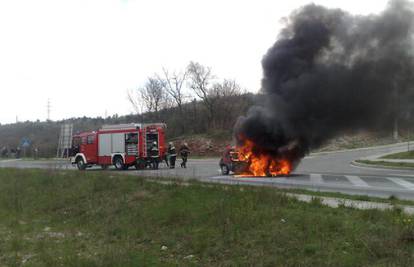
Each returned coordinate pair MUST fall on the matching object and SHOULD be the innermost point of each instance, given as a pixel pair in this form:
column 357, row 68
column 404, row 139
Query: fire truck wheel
column 80, row 164
column 119, row 163
column 225, row 170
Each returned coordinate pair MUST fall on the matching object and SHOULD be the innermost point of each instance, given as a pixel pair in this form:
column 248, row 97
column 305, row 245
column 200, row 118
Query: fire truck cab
column 123, row 146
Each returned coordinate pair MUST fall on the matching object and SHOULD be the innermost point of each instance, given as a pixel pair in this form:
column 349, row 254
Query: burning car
column 230, row 162
column 247, row 160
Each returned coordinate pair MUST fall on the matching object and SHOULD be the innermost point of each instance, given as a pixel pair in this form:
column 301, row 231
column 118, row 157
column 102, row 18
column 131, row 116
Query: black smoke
column 329, row 72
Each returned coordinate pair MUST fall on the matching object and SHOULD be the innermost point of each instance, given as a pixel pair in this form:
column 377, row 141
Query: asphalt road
column 322, row 172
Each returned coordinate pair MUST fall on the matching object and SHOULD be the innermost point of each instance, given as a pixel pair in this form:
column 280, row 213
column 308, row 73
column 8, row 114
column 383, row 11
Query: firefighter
column 18, row 152
column 172, row 154
column 184, row 151
column 154, row 152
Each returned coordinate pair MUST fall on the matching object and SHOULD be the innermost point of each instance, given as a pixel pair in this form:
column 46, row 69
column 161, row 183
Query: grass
column 386, row 163
column 55, row 218
column 401, row 155
column 391, row 200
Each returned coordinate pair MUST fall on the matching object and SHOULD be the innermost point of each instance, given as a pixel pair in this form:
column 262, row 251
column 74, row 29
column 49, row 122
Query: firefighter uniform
column 172, row 155
column 184, row 151
column 154, row 152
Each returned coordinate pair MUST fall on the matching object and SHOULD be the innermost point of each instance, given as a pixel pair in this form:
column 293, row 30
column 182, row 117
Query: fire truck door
column 131, row 144
column 118, row 142
column 91, row 148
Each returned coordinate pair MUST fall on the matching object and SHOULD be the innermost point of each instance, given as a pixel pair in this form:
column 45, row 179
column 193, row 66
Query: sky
column 85, row 55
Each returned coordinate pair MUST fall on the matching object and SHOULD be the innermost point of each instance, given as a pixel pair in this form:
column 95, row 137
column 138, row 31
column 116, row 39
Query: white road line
column 402, row 182
column 355, row 180
column 9, row 160
column 405, row 175
column 316, row 178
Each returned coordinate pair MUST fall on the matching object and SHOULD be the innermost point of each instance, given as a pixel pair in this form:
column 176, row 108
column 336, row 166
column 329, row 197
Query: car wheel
column 119, row 163
column 225, row 170
column 81, row 164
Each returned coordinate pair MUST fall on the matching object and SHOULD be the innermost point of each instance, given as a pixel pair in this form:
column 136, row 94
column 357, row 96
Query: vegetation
column 193, row 101
column 401, row 155
column 386, row 163
column 53, row 218
column 393, row 200
column 45, row 135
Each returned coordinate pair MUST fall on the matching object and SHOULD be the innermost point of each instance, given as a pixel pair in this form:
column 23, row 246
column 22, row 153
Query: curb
column 334, row 202
column 376, row 166
column 358, row 149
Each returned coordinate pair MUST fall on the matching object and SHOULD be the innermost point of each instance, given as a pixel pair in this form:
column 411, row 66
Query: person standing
column 154, row 152
column 172, row 155
column 18, row 152
column 184, row 151
column 35, row 153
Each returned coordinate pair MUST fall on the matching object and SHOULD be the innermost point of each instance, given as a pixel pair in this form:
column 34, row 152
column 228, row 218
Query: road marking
column 316, row 178
column 9, row 160
column 355, row 180
column 405, row 175
column 402, row 182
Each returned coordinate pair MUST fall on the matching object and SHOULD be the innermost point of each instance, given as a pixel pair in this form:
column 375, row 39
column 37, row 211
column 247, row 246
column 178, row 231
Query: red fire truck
column 122, row 145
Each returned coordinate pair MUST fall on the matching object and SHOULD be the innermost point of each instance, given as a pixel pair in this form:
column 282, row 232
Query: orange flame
column 262, row 164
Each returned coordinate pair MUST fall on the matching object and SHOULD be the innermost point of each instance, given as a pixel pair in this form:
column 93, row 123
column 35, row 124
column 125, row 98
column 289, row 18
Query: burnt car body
column 230, row 162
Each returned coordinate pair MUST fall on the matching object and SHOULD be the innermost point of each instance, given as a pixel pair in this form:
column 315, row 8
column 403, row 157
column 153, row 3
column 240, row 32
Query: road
column 330, row 172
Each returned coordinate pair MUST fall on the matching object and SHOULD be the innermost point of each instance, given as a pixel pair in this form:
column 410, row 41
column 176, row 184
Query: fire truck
column 122, row 145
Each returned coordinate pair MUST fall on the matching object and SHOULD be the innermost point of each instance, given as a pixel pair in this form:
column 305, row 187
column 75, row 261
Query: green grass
column 401, row 155
column 386, row 163
column 391, row 200
column 53, row 218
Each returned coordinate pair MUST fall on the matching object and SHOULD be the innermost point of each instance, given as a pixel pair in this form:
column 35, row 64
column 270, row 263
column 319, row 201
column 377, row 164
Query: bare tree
column 152, row 96
column 200, row 78
column 227, row 106
column 228, row 88
column 174, row 86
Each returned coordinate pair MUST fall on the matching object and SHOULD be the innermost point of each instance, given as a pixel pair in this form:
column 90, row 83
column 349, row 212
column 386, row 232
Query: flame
column 261, row 164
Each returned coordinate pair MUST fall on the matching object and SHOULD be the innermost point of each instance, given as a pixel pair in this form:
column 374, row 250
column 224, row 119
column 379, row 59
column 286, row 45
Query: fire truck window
column 91, row 139
column 83, row 140
column 76, row 141
column 131, row 138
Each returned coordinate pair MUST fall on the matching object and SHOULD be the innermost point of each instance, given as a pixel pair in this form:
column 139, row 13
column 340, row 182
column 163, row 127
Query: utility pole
column 48, row 106
column 396, row 97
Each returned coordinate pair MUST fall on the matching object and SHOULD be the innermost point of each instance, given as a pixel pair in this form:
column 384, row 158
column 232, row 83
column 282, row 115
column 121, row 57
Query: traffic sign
column 25, row 142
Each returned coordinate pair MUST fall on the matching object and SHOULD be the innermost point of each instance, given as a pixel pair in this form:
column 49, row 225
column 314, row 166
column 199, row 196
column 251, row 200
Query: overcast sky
column 85, row 54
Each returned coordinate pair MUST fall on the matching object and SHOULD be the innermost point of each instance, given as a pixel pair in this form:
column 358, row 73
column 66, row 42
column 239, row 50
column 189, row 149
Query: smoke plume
column 329, row 72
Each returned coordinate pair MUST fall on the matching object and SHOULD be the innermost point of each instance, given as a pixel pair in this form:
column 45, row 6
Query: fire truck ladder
column 65, row 141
